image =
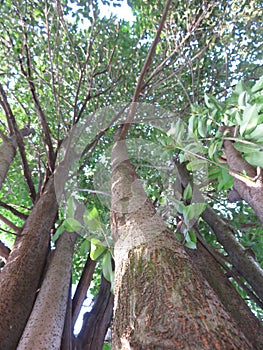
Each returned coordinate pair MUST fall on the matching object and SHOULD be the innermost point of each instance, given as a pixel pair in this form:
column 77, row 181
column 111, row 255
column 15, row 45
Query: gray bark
column 45, row 326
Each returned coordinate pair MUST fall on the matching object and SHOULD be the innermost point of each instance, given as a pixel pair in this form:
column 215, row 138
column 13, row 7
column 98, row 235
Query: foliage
column 62, row 62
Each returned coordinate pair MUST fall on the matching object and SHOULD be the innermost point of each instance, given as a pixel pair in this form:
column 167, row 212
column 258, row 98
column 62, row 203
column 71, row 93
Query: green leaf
column 58, row 232
column 92, row 220
column 247, row 147
column 85, row 247
column 191, row 123
column 192, row 211
column 214, row 148
column 71, row 207
column 97, row 249
column 192, row 236
column 187, row 192
column 225, row 181
column 258, row 85
column 190, row 239
column 179, row 206
column 243, row 99
column 255, row 159
column 240, row 87
column 107, row 267
column 72, row 225
column 202, row 127
column 190, row 245
column 257, row 134
column 250, row 120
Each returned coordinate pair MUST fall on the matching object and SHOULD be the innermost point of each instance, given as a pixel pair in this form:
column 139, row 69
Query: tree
column 71, row 83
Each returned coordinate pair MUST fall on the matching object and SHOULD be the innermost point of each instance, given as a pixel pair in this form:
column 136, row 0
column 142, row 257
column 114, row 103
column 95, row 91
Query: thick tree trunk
column 161, row 300
column 228, row 295
column 20, row 277
column 45, row 326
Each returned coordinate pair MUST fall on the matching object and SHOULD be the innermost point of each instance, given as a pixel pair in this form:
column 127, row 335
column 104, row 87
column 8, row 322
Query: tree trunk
column 249, row 187
column 161, row 300
column 7, row 154
column 20, row 277
column 97, row 321
column 243, row 262
column 45, row 326
column 228, row 295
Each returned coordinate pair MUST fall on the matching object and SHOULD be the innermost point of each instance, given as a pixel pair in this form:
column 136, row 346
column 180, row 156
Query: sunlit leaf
column 250, row 120
column 97, row 249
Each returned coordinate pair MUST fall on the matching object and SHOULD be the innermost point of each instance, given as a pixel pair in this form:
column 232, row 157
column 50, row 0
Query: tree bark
column 4, row 251
column 161, row 300
column 228, row 295
column 249, row 187
column 97, row 322
column 7, row 154
column 243, row 262
column 83, row 286
column 20, row 277
column 45, row 325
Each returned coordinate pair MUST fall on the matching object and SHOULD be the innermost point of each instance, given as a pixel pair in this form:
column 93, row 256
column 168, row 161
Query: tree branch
column 144, row 71
column 83, row 286
column 19, row 139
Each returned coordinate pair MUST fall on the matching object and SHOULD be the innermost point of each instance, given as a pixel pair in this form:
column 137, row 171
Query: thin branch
column 41, row 115
column 9, row 223
column 144, row 71
column 13, row 211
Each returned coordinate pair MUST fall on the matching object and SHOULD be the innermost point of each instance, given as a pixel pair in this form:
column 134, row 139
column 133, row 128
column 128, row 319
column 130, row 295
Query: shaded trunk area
column 97, row 321
column 161, row 300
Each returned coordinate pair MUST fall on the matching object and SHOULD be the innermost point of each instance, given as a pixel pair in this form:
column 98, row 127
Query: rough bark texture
column 20, row 277
column 45, row 326
column 67, row 336
column 161, row 300
column 7, row 154
column 244, row 263
column 97, row 322
column 250, row 189
column 228, row 295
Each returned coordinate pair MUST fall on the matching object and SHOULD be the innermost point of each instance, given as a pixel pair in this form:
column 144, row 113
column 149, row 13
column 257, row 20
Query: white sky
column 122, row 12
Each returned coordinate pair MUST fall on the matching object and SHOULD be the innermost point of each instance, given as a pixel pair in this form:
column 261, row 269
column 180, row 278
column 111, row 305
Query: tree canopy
column 189, row 76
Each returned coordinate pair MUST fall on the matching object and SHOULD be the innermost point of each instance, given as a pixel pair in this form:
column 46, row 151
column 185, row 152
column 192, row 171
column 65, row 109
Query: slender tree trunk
column 7, row 154
column 243, row 262
column 161, row 300
column 45, row 326
column 97, row 321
